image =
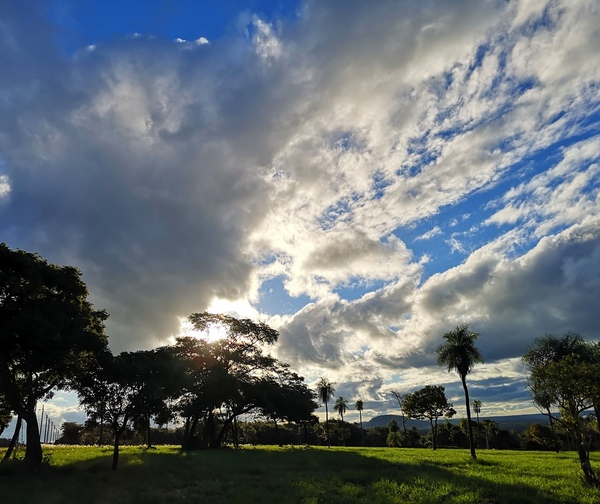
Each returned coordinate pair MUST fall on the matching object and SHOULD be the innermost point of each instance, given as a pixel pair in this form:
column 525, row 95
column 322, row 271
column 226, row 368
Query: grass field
column 297, row 475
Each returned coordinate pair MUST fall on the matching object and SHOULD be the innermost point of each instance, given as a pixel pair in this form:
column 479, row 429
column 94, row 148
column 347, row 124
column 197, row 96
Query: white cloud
column 315, row 151
column 435, row 231
column 4, row 186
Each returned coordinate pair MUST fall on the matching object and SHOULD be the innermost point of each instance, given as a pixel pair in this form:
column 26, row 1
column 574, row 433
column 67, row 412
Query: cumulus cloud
column 332, row 151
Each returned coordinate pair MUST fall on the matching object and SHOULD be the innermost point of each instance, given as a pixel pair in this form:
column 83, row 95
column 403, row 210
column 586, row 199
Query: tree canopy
column 563, row 377
column 429, row 403
column 49, row 333
column 232, row 376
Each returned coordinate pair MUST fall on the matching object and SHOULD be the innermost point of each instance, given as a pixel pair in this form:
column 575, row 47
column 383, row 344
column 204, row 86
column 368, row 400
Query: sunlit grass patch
column 299, row 475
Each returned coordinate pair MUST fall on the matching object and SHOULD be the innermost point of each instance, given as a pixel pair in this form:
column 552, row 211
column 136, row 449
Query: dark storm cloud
column 130, row 163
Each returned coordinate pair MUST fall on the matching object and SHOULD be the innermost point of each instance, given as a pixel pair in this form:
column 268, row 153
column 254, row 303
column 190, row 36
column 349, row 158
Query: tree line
column 52, row 338
column 563, row 378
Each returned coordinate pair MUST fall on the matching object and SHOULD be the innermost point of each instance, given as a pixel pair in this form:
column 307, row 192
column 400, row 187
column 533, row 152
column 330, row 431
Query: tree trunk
column 327, row 424
column 210, row 440
column 221, row 436
column 33, row 450
column 589, row 475
column 148, row 434
column 115, row 458
column 553, row 429
column 463, row 379
column 362, row 434
column 101, row 440
column 14, row 439
column 433, row 433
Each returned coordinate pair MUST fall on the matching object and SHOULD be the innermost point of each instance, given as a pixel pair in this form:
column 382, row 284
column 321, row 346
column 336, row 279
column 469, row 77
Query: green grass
column 296, row 475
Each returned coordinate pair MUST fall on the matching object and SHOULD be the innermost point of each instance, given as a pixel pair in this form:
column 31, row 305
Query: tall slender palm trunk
column 471, row 441
column 327, row 424
column 362, row 432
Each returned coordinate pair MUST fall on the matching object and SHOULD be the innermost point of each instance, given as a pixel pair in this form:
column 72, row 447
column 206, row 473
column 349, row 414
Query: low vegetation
column 297, row 475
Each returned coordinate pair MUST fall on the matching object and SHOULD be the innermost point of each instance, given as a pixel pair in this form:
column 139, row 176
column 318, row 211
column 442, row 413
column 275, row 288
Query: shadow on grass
column 289, row 475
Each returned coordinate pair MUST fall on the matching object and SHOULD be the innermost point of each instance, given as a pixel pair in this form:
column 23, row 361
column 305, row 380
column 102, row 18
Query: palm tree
column 341, row 406
column 477, row 408
column 460, row 354
column 325, row 390
column 359, row 405
column 490, row 428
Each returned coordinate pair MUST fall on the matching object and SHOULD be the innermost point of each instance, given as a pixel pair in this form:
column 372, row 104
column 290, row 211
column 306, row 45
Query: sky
column 362, row 176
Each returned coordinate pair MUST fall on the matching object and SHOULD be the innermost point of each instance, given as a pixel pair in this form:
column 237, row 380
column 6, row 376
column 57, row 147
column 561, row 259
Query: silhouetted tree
column 233, row 376
column 49, row 333
column 341, row 406
column 325, row 390
column 400, row 398
column 115, row 393
column 70, row 433
column 477, row 408
column 359, row 405
column 460, row 354
column 490, row 429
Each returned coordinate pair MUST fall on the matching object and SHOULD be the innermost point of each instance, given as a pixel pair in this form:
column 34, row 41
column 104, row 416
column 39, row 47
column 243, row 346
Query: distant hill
column 509, row 422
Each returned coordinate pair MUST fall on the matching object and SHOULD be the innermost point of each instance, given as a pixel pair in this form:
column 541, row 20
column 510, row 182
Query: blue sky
column 363, row 176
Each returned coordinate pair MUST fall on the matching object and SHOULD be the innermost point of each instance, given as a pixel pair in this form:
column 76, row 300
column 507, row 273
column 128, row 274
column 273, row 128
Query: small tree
column 460, row 354
column 477, row 408
column 429, row 403
column 394, row 438
column 400, row 398
column 490, row 429
column 70, row 433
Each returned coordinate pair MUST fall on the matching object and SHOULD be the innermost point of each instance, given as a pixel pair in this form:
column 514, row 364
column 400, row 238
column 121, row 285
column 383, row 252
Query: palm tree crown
column 325, row 389
column 459, row 353
column 341, row 406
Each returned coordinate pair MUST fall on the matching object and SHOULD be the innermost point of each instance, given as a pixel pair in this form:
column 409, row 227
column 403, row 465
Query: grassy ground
column 296, row 475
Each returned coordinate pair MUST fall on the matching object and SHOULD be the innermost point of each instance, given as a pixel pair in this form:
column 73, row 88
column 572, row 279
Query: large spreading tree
column 564, row 382
column 429, row 403
column 128, row 390
column 49, row 333
column 234, row 376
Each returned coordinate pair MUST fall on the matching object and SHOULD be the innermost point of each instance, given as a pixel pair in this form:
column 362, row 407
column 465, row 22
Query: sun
column 214, row 333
